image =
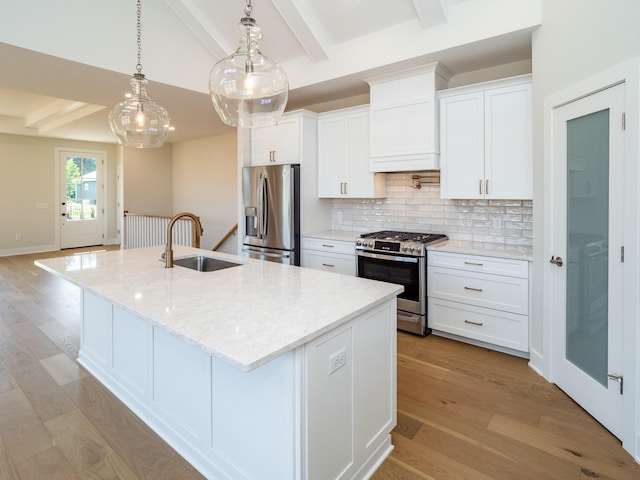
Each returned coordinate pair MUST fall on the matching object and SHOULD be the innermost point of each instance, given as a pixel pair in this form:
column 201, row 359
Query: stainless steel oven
column 399, row 257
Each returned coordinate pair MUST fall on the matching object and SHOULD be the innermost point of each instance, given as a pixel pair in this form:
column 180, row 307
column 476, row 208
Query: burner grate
column 390, row 235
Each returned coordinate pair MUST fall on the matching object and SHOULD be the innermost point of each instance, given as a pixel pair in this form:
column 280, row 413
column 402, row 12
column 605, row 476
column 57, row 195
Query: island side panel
column 350, row 381
column 256, row 417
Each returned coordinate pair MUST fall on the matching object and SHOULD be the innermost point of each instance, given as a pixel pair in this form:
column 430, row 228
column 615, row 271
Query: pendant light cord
column 247, row 9
column 139, row 40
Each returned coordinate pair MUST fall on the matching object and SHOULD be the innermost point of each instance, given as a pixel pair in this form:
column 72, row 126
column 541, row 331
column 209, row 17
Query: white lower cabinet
column 336, row 256
column 314, row 412
column 485, row 299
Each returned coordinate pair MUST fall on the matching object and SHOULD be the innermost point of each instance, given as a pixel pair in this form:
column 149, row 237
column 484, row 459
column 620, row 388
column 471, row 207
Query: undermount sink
column 202, row 263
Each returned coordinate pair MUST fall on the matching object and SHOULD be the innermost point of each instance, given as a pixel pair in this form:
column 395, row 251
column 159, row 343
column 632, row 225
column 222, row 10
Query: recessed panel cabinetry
column 404, row 112
column 485, row 140
column 343, row 156
column 485, row 299
column 284, row 142
column 336, row 256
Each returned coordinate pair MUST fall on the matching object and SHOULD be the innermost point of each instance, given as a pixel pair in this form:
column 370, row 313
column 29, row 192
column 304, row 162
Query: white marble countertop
column 342, row 235
column 245, row 315
column 517, row 252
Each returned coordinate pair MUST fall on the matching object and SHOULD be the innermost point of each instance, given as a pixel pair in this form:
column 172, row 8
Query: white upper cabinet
column 278, row 144
column 343, row 156
column 404, row 127
column 485, row 140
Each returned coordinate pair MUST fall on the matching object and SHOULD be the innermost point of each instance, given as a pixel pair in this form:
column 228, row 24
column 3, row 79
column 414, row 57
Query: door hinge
column 624, row 121
column 622, row 254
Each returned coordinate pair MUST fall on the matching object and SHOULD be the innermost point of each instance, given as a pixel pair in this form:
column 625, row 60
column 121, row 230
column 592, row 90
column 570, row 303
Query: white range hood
column 404, row 119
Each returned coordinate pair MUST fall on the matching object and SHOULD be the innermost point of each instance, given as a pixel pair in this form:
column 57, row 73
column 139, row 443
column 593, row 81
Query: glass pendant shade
column 248, row 89
column 138, row 121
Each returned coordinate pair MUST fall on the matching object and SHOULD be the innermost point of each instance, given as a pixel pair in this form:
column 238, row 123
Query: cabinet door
column 276, row 144
column 331, row 157
column 462, row 146
column 508, row 148
column 263, row 142
column 288, row 141
column 359, row 180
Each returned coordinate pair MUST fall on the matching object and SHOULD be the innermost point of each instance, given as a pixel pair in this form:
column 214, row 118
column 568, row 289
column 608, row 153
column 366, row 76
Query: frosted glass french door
column 588, row 206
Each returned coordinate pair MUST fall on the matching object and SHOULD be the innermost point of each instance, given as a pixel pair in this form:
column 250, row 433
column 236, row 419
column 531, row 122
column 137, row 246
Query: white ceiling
column 66, row 63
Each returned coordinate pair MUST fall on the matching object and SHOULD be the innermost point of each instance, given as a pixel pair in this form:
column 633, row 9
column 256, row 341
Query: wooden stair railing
column 225, row 238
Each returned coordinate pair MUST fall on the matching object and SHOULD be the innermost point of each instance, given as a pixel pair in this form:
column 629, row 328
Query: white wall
column 28, row 166
column 578, row 39
column 204, row 182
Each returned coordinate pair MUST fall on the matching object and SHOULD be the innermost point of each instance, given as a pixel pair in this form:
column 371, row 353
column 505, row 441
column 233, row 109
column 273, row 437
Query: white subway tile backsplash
column 410, row 209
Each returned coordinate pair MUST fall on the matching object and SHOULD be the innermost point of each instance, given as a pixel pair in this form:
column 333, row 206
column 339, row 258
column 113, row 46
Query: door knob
column 556, row 261
column 63, row 214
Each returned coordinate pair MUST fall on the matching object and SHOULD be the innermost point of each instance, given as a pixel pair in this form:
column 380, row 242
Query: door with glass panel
column 80, row 199
column 587, row 269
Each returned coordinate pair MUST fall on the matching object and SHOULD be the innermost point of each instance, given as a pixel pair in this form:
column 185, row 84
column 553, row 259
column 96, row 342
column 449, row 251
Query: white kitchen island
column 259, row 371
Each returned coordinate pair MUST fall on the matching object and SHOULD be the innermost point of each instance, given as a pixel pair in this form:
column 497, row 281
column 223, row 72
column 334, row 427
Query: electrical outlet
column 18, row 237
column 337, row 360
column 497, row 222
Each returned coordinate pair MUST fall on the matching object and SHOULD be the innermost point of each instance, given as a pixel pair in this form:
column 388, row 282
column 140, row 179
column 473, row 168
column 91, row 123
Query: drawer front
column 486, row 325
column 330, row 246
column 336, row 263
column 509, row 294
column 476, row 263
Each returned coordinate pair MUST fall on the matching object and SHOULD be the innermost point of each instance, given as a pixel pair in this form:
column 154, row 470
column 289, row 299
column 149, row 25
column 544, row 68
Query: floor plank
column 62, row 369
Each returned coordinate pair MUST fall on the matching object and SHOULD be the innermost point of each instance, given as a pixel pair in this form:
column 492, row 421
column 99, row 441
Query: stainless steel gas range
column 400, row 257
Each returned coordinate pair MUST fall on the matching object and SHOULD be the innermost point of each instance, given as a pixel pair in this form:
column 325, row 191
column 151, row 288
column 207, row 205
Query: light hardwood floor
column 463, row 412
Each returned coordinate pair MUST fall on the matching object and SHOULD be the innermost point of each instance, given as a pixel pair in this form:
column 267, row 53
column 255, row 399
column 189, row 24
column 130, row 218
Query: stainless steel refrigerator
column 271, row 197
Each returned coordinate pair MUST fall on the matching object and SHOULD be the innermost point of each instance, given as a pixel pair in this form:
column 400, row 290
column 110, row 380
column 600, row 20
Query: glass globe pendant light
column 138, row 121
column 248, row 89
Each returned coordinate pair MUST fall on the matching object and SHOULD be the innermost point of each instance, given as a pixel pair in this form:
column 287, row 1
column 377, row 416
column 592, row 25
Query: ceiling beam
column 430, row 12
column 197, row 22
column 298, row 17
column 59, row 112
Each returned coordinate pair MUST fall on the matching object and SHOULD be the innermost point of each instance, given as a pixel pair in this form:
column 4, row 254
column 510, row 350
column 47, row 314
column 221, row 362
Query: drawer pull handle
column 328, row 265
column 474, row 289
column 479, row 324
column 473, row 263
column 328, row 246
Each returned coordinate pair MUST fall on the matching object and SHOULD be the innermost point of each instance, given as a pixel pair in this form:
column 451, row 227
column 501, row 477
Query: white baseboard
column 22, row 251
column 536, row 363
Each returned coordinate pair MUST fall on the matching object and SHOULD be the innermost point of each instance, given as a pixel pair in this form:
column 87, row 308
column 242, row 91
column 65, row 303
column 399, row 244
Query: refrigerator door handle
column 261, row 206
column 265, row 206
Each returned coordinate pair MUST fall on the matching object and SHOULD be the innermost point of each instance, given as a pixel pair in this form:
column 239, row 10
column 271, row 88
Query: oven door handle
column 383, row 256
